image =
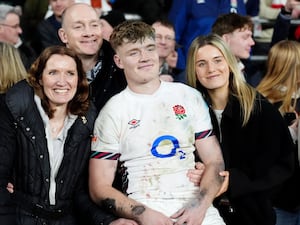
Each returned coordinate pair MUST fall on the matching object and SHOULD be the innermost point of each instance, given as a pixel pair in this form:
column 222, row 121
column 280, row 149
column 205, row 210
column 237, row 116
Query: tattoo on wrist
column 138, row 210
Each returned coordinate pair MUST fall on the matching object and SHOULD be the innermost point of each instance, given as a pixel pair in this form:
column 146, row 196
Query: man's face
column 10, row 29
column 58, row 6
column 240, row 42
column 165, row 40
column 81, row 30
column 139, row 60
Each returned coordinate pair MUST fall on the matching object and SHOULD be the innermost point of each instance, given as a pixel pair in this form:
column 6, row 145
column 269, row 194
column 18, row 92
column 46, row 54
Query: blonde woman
column 12, row 69
column 254, row 139
column 280, row 86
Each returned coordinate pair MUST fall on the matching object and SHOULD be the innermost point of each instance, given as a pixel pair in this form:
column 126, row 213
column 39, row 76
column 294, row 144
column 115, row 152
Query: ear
column 226, row 38
column 118, row 61
column 62, row 35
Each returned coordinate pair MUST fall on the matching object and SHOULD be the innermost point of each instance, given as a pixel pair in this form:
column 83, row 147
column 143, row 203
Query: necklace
column 56, row 128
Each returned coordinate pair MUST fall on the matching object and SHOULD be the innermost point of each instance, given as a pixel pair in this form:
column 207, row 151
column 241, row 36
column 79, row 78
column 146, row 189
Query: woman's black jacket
column 25, row 160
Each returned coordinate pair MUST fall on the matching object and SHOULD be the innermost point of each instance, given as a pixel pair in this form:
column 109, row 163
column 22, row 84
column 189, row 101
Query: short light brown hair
column 131, row 32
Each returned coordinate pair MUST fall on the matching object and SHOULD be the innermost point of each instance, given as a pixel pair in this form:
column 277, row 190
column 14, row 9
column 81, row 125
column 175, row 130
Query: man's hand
column 150, row 217
column 123, row 221
column 10, row 188
column 293, row 6
column 192, row 214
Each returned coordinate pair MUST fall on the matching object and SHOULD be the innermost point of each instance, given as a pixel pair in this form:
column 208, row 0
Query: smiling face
column 165, row 39
column 81, row 33
column 211, row 68
column 59, row 79
column 139, row 60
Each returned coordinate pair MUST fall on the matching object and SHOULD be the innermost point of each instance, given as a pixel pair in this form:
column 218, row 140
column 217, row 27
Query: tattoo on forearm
column 193, row 203
column 109, row 204
column 138, row 210
column 202, row 194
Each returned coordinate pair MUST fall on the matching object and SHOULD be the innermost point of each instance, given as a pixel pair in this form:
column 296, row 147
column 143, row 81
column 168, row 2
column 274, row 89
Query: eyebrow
column 216, row 57
column 137, row 48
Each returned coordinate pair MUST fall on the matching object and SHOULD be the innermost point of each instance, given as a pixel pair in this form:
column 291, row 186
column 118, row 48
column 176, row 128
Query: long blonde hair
column 237, row 85
column 12, row 69
column 280, row 82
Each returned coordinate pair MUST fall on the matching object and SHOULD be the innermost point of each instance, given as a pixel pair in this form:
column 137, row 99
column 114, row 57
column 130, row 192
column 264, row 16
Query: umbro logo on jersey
column 134, row 123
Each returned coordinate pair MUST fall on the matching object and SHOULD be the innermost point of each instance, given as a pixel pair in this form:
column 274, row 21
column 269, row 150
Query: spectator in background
column 266, row 11
column 165, row 45
column 192, row 18
column 281, row 87
column 236, row 30
column 47, row 30
column 12, row 70
column 84, row 35
column 34, row 12
column 11, row 67
column 256, row 144
column 109, row 20
column 282, row 28
column 10, row 32
column 146, row 10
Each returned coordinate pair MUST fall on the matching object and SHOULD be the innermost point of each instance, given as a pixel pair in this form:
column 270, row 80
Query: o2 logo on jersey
column 174, row 141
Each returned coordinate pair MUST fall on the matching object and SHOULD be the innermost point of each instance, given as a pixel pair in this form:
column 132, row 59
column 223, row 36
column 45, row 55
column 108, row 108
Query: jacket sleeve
column 281, row 29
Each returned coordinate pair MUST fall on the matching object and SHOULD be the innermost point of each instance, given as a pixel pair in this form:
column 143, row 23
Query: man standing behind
column 154, row 135
column 165, row 44
column 83, row 34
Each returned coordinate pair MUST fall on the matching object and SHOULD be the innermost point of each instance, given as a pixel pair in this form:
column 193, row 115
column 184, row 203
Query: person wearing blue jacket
column 192, row 18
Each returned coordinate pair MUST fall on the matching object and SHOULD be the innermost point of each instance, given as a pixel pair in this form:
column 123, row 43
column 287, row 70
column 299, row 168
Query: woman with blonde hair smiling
column 255, row 141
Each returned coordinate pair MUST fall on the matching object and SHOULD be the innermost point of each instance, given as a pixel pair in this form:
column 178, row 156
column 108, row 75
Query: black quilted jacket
column 25, row 160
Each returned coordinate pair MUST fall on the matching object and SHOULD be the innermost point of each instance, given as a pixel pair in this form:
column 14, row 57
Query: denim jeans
column 287, row 218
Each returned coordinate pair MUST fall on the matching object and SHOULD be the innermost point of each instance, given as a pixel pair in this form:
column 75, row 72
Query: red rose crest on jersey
column 179, row 112
column 134, row 123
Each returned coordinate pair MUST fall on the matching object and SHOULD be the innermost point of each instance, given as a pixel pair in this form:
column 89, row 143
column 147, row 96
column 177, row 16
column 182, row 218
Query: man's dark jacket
column 109, row 80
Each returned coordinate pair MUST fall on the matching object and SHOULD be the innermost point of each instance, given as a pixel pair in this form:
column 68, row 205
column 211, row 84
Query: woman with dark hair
column 46, row 123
